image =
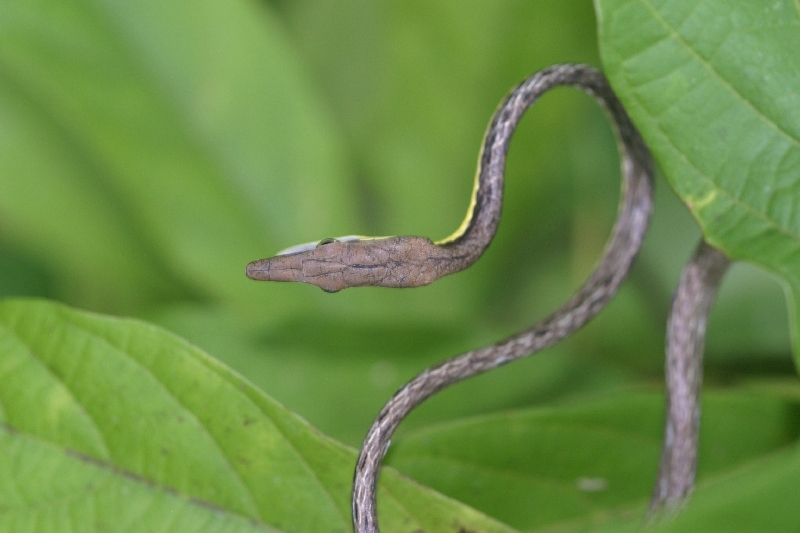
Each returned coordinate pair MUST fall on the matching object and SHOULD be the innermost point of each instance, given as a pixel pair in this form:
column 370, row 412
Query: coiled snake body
column 410, row 261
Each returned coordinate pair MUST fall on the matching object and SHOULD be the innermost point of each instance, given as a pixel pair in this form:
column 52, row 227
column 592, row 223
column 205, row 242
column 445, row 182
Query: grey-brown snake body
column 686, row 331
column 409, row 261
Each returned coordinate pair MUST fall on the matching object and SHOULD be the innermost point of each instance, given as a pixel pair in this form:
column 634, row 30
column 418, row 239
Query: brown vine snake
column 686, row 331
column 409, row 261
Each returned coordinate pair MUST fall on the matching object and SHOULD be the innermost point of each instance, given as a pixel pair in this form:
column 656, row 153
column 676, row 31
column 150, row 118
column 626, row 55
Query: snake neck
column 475, row 234
column 468, row 245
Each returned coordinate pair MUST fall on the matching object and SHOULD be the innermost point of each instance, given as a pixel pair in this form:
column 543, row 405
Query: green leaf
column 762, row 497
column 587, row 461
column 713, row 87
column 118, row 425
column 150, row 150
column 338, row 374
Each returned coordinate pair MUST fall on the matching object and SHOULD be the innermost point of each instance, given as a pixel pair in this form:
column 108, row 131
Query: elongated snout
column 279, row 268
column 320, row 266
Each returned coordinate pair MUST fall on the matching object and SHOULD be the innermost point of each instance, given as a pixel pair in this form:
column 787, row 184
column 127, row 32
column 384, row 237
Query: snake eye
column 329, row 240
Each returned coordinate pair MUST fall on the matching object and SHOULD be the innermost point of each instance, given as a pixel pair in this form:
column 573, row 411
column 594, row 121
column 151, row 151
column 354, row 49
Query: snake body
column 410, row 261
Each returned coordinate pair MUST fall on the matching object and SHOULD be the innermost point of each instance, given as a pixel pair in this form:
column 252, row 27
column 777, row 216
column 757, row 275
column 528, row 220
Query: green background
column 149, row 151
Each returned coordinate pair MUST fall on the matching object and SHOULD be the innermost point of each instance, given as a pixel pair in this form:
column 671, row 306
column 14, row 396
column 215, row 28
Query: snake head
column 335, row 264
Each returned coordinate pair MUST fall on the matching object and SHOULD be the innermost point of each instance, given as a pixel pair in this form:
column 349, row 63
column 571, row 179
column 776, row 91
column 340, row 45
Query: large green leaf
column 579, row 462
column 713, row 86
column 145, row 146
column 762, row 497
column 116, row 425
column 759, row 497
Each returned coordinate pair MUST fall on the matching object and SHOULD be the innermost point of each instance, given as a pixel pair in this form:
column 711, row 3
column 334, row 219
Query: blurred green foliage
column 148, row 151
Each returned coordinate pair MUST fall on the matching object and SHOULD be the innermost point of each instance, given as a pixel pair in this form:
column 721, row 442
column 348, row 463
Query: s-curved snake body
column 409, row 261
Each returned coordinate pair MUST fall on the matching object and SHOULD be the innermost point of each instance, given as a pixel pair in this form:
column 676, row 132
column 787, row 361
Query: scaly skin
column 415, row 261
column 404, row 261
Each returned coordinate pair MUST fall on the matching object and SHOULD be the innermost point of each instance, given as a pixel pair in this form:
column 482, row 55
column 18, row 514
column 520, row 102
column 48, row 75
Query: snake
column 413, row 261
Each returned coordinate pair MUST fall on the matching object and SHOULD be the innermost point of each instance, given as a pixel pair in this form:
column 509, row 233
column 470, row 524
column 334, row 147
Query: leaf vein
column 734, row 200
column 189, row 412
column 710, row 68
